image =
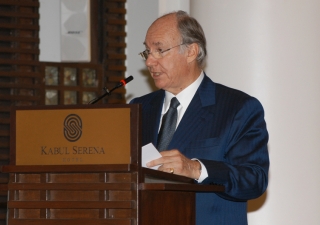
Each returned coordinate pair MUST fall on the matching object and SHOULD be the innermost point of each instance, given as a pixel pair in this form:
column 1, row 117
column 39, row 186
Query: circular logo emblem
column 72, row 127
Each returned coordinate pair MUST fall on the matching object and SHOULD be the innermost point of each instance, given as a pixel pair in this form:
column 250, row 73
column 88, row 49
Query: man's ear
column 193, row 50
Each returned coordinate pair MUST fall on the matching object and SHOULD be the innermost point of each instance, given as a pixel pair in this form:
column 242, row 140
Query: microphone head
column 125, row 81
column 128, row 79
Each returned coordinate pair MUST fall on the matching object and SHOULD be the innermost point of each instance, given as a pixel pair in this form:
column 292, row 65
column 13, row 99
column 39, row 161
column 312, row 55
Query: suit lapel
column 152, row 112
column 198, row 113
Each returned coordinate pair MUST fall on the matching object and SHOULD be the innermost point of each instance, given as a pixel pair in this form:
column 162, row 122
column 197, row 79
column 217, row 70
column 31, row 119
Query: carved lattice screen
column 23, row 78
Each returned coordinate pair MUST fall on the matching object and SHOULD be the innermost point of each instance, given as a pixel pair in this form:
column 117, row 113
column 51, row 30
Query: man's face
column 170, row 72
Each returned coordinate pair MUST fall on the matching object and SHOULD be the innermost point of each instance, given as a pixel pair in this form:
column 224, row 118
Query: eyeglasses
column 156, row 54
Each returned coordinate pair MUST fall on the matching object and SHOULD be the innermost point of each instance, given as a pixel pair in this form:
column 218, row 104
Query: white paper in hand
column 149, row 153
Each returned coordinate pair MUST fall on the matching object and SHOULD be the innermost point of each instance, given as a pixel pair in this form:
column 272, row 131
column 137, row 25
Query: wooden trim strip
column 12, row 221
column 20, row 39
column 20, row 86
column 6, row 109
column 116, row 10
column 19, row 26
column 20, row 3
column 20, row 74
column 20, row 15
column 20, row 50
column 68, row 168
column 116, row 22
column 5, row 120
column 4, row 144
column 19, row 62
column 116, row 33
column 113, row 67
column 116, row 45
column 70, row 204
column 19, row 98
column 117, row 0
column 116, row 56
column 180, row 187
column 70, row 186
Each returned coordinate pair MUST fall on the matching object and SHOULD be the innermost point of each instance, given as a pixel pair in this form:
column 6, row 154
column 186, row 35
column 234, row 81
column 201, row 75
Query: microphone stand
column 107, row 92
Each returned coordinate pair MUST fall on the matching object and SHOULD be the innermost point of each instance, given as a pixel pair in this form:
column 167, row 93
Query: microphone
column 121, row 83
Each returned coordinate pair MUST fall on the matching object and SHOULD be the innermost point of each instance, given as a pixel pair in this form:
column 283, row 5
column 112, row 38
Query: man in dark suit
column 220, row 135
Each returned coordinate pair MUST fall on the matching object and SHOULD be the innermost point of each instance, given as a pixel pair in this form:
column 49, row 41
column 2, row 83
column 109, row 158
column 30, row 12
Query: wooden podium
column 74, row 192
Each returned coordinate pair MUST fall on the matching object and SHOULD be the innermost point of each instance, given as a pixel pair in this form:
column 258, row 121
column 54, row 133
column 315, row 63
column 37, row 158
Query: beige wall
column 271, row 50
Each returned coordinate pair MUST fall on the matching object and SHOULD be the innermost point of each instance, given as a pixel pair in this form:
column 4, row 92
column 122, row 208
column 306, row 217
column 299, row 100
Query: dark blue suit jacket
column 226, row 130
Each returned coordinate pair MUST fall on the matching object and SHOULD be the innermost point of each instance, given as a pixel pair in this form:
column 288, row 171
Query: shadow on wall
column 256, row 204
column 148, row 79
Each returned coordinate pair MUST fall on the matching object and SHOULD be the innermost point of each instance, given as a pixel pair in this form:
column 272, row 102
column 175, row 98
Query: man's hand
column 172, row 161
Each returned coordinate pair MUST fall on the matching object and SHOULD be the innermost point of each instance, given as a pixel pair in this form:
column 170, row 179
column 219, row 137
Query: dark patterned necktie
column 168, row 126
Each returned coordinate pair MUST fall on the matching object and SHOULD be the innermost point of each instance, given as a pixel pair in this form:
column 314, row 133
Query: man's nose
column 151, row 60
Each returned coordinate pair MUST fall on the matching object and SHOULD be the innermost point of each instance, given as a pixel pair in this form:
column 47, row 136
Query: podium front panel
column 69, row 136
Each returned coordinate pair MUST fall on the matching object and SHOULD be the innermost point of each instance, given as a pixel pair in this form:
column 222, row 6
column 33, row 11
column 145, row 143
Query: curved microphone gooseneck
column 107, row 92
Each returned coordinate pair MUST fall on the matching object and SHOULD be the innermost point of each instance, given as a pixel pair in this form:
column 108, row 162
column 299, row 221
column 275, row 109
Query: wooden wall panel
column 114, row 45
column 65, row 198
column 22, row 76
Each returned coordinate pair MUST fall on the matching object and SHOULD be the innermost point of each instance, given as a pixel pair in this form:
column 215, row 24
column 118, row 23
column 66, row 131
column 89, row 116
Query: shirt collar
column 185, row 96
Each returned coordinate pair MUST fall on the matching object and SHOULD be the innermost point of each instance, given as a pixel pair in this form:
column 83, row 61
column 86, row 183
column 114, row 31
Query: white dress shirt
column 185, row 97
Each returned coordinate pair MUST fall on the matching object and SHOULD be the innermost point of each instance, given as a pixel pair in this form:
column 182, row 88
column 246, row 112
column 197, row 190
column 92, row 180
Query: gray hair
column 192, row 32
